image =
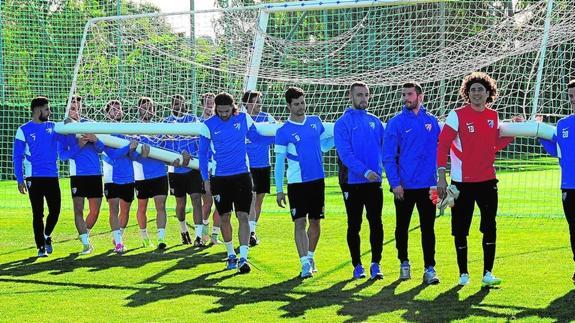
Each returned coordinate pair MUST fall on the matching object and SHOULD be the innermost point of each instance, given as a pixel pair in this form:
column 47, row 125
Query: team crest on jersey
column 565, row 132
column 237, row 125
column 564, row 196
column 372, row 125
column 428, row 127
column 74, row 190
column 345, row 195
column 314, row 126
column 470, row 127
column 293, row 212
column 29, row 184
column 106, row 193
column 491, row 123
column 217, row 198
column 172, row 191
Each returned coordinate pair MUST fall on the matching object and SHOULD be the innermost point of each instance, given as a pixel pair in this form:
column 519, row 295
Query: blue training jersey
column 410, row 149
column 358, row 137
column 181, row 143
column 148, row 168
column 227, row 140
column 300, row 144
column 117, row 164
column 35, row 150
column 84, row 161
column 259, row 153
column 562, row 146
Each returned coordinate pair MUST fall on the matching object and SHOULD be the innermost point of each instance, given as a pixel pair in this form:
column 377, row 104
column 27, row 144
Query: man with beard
column 299, row 141
column 151, row 180
column 119, row 179
column 85, row 175
column 183, row 180
column 358, row 137
column 34, row 157
column 231, row 185
column 259, row 157
column 409, row 158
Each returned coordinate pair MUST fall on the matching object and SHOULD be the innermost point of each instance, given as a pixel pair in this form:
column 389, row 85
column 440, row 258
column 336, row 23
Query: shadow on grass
column 561, row 310
column 188, row 258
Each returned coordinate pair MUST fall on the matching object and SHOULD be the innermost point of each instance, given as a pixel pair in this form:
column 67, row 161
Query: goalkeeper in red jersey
column 471, row 139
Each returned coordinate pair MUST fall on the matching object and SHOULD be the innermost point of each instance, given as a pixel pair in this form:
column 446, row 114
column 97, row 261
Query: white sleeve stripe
column 452, row 120
column 20, row 135
column 205, row 131
column 249, row 120
column 280, row 149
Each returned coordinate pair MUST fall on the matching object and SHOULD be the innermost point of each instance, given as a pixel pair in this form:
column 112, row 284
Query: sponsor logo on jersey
column 372, row 125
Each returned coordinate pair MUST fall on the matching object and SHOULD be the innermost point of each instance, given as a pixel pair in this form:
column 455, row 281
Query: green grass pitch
column 184, row 284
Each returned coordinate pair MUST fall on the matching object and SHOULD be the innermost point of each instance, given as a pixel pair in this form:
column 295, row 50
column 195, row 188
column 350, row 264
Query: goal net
column 323, row 46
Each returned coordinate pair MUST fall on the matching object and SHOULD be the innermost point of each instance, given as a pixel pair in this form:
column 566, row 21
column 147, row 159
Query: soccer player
column 85, row 175
column 151, row 180
column 470, row 137
column 183, row 180
column 231, row 185
column 259, row 157
column 561, row 146
column 298, row 141
column 34, row 156
column 358, row 137
column 119, row 179
column 410, row 154
column 208, row 107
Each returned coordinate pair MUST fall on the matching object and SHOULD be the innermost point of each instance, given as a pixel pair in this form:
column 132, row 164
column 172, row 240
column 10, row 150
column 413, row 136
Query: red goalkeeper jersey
column 471, row 138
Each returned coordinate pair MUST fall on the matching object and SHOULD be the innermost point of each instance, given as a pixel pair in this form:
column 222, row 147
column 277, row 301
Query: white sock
column 230, row 248
column 161, row 234
column 144, row 234
column 199, row 229
column 84, row 238
column 206, row 222
column 244, row 252
column 253, row 226
column 183, row 226
column 117, row 236
column 216, row 230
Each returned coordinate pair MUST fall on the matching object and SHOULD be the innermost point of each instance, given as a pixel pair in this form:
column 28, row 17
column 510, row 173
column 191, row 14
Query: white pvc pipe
column 155, row 153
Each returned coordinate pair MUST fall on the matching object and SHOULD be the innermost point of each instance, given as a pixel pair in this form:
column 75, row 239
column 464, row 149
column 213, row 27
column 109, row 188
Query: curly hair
column 483, row 79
